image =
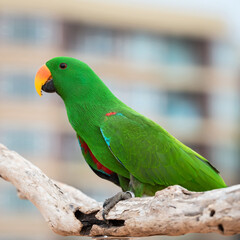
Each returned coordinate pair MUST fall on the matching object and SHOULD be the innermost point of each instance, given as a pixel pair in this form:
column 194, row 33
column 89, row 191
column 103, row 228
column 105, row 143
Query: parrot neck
column 86, row 109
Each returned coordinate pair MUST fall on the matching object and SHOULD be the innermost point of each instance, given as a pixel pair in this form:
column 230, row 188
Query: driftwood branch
column 172, row 211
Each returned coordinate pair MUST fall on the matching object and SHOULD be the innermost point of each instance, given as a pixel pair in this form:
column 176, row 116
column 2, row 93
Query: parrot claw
column 111, row 202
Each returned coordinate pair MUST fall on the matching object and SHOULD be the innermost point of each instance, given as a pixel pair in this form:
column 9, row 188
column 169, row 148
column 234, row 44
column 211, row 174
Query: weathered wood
column 172, row 211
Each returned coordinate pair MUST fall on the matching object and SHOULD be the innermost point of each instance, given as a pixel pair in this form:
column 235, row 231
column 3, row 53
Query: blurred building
column 175, row 67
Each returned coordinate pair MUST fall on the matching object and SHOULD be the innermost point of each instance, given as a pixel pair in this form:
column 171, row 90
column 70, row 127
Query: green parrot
column 119, row 144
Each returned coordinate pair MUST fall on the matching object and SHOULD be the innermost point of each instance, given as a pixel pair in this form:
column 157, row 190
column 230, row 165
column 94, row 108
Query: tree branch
column 172, row 211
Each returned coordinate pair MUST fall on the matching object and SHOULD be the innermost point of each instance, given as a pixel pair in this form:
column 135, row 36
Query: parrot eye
column 63, row 65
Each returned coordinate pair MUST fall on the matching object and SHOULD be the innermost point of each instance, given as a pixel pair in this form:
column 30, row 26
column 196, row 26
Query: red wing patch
column 86, row 149
column 110, row 114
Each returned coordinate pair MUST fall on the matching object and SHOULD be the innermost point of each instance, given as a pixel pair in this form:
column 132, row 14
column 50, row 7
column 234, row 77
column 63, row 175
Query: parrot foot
column 111, row 202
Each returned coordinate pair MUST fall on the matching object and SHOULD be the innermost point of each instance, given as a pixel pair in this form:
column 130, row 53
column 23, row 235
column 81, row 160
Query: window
column 143, row 47
column 186, row 104
column 10, row 202
column 26, row 142
column 17, row 84
column 69, row 147
column 184, row 112
column 88, row 39
column 180, row 51
column 226, row 160
column 224, row 106
column 27, row 29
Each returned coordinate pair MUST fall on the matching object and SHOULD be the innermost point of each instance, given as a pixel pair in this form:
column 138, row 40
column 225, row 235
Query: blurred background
column 176, row 62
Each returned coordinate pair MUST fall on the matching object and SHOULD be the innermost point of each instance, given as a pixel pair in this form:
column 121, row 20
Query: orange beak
column 42, row 76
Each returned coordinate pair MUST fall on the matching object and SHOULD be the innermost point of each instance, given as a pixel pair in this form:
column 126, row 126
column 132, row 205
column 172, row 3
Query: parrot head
column 63, row 75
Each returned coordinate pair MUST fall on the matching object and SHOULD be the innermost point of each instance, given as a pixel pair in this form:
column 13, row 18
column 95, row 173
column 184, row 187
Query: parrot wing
column 95, row 165
column 155, row 157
